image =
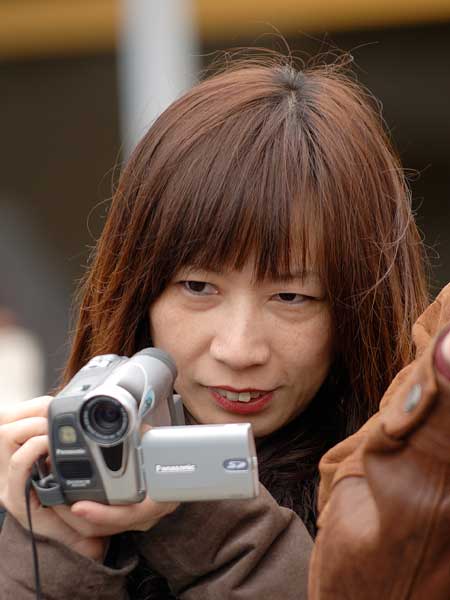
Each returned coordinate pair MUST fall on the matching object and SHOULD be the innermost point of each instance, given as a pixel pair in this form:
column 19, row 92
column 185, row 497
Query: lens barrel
column 104, row 419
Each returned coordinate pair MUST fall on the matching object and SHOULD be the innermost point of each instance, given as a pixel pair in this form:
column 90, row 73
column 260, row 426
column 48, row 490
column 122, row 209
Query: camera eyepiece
column 104, row 419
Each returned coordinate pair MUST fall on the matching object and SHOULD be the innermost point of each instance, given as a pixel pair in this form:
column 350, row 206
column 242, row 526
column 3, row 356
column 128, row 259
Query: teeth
column 239, row 396
column 229, row 395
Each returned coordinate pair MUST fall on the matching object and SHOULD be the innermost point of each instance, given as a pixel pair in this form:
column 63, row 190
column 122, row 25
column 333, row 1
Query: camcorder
column 102, row 448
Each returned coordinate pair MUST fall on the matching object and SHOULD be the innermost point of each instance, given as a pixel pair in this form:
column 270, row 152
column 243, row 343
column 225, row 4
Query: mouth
column 246, row 395
column 245, row 401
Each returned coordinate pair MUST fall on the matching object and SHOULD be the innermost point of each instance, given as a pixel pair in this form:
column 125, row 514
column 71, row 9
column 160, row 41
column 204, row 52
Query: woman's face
column 245, row 351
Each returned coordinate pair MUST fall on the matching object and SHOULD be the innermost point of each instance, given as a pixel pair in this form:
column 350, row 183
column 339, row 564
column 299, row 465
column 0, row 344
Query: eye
column 198, row 288
column 292, row 298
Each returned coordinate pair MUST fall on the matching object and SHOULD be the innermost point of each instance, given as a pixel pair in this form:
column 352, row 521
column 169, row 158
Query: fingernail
column 443, row 355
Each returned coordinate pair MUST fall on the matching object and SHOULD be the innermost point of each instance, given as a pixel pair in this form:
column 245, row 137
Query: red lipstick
column 241, row 408
column 239, row 390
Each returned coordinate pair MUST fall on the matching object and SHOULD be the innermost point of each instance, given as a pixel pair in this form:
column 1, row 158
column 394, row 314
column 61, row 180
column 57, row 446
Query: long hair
column 263, row 160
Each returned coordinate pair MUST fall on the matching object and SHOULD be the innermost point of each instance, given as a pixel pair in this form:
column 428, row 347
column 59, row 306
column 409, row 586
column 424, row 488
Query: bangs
column 244, row 193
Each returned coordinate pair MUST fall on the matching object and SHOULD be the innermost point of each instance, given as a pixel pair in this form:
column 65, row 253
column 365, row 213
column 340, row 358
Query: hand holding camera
column 23, row 438
column 100, row 455
column 99, row 450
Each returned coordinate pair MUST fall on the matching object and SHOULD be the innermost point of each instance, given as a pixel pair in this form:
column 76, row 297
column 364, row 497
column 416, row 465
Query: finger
column 104, row 514
column 38, row 407
column 21, row 463
column 128, row 517
column 18, row 432
column 79, row 524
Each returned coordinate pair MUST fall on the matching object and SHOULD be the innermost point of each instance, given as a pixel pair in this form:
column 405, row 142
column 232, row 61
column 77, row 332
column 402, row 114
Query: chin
column 259, row 427
column 260, row 432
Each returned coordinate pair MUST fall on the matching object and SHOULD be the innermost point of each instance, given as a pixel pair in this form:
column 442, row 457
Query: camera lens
column 105, row 419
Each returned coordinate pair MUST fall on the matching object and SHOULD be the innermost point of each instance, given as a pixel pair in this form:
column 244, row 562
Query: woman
column 262, row 234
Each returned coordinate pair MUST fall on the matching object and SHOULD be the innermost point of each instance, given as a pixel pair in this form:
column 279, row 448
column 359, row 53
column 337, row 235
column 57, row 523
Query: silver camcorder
column 101, row 450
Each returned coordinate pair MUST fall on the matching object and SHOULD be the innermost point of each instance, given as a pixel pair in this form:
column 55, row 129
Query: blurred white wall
column 22, row 365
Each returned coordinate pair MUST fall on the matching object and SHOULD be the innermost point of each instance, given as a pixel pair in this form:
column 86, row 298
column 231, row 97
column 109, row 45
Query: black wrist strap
column 37, row 578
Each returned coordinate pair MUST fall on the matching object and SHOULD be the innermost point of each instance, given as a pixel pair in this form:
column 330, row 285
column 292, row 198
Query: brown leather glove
column 384, row 531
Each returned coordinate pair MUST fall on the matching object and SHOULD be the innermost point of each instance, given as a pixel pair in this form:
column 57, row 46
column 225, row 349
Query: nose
column 241, row 340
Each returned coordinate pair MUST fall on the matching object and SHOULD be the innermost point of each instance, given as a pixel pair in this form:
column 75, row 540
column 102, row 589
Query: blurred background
column 80, row 80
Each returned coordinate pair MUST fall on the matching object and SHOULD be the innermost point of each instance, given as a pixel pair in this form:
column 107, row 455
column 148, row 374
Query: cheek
column 163, row 325
column 174, row 330
column 320, row 348
column 166, row 333
column 310, row 352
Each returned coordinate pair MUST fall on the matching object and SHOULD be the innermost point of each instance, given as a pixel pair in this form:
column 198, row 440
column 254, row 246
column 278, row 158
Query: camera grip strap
column 47, row 489
column 50, row 495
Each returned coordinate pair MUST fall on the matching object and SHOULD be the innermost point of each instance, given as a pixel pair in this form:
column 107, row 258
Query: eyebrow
column 297, row 274
column 282, row 277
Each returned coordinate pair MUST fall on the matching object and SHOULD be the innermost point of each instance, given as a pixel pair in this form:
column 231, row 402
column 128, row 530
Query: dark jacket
column 383, row 526
column 207, row 550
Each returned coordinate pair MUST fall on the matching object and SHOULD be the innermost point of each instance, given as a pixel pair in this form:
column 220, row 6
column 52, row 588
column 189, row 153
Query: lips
column 246, row 405
column 241, row 396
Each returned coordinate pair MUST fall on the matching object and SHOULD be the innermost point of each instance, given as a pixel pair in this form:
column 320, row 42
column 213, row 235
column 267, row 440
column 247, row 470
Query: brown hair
column 260, row 159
